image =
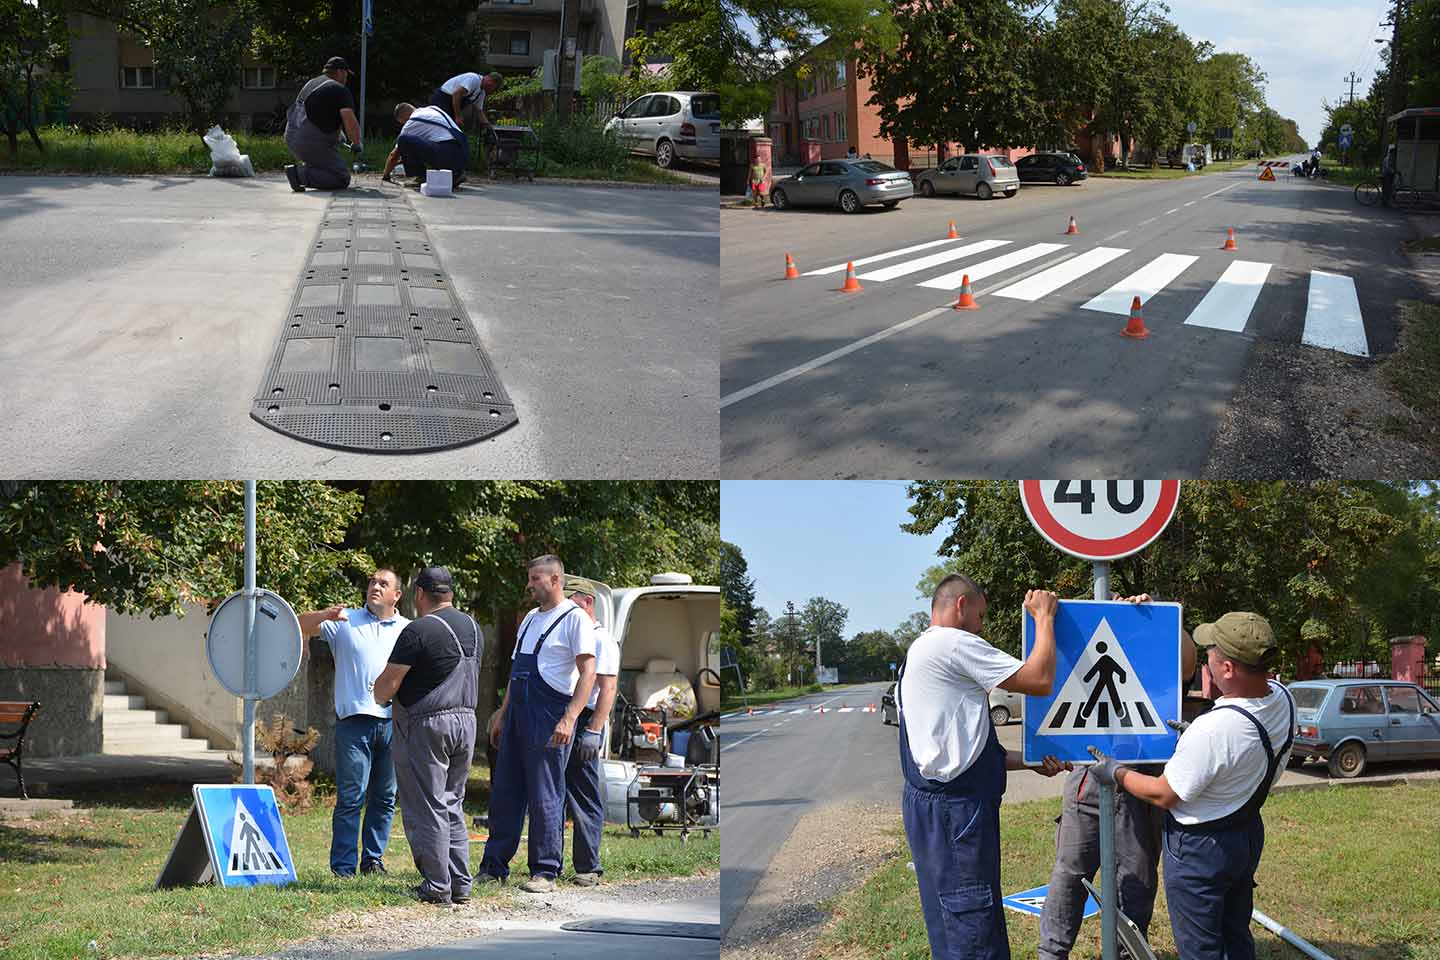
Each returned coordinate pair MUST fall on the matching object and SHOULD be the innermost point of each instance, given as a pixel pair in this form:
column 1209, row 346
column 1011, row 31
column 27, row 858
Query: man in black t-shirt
column 312, row 130
column 434, row 677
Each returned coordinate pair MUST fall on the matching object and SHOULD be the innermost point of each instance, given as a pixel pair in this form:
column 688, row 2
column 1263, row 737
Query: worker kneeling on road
column 312, row 130
column 428, row 140
column 955, row 768
column 1214, row 786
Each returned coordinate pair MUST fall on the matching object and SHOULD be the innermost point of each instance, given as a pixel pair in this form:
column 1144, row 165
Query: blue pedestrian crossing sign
column 1033, row 902
column 1117, row 680
column 232, row 837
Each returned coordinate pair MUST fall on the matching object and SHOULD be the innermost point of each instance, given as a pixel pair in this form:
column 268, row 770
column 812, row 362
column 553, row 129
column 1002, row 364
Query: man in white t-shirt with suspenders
column 584, row 787
column 1213, row 788
column 955, row 768
column 534, row 730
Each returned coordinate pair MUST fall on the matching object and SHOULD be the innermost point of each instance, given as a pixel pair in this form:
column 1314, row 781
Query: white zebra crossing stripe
column 1143, row 283
column 839, row 267
column 801, row 710
column 1048, row 281
column 847, row 709
column 935, row 259
column 1228, row 303
column 988, row 268
column 1332, row 315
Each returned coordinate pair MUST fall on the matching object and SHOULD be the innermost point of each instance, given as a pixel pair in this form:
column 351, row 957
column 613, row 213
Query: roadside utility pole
column 565, row 62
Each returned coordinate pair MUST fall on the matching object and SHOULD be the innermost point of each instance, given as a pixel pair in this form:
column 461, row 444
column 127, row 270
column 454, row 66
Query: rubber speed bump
column 376, row 353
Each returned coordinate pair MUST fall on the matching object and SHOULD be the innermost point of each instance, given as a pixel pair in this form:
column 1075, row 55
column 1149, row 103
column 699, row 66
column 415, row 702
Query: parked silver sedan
column 848, row 184
column 983, row 174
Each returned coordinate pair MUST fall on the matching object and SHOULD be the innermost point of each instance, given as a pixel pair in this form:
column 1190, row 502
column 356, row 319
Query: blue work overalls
column 530, row 774
column 1210, row 868
column 954, row 834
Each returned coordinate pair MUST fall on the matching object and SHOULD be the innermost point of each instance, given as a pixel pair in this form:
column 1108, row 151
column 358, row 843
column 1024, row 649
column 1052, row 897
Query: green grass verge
column 763, row 697
column 1341, row 867
column 1175, row 173
column 122, row 152
column 1413, row 370
column 65, row 881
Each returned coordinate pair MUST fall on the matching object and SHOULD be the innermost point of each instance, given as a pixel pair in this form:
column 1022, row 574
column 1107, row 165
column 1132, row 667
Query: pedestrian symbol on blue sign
column 1117, row 680
column 1033, row 902
column 1344, row 142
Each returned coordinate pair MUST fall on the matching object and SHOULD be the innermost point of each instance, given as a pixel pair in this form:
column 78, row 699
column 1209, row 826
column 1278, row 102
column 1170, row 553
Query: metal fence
column 1357, row 669
column 533, row 106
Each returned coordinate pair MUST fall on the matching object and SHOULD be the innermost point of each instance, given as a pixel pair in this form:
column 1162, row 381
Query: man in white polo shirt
column 955, row 768
column 466, row 90
column 361, row 639
column 428, row 140
column 1213, row 788
column 584, row 787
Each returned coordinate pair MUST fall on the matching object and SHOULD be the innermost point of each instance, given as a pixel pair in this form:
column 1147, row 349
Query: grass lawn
column 1413, row 370
column 1351, row 869
column 1175, row 173
column 122, row 152
column 65, row 881
column 763, row 697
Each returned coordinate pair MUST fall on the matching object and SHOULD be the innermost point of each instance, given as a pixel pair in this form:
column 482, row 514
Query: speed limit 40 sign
column 1100, row 519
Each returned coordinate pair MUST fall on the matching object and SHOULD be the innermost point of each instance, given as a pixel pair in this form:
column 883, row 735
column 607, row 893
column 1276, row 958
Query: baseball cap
column 435, row 580
column 336, row 63
column 1246, row 637
column 574, row 585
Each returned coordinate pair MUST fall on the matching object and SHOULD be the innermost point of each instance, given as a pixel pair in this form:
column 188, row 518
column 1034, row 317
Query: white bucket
column 438, row 183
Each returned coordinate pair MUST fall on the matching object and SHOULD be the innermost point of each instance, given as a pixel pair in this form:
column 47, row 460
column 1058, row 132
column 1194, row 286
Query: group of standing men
column 406, row 694
column 431, row 137
column 1199, row 812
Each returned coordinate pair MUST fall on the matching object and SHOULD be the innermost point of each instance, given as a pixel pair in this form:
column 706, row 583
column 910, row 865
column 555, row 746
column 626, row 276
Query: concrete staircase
column 132, row 729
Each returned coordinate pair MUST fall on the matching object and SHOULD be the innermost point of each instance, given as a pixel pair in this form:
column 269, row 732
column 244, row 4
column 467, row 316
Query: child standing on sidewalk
column 757, row 182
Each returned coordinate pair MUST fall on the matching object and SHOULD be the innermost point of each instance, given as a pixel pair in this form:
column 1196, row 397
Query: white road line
column 730, row 746
column 1191, row 203
column 837, row 268
column 1168, row 212
column 833, row 355
column 1221, row 190
column 847, row 709
column 606, row 231
column 1228, row 304
column 801, row 710
column 1332, row 315
column 1151, row 220
column 924, row 263
column 988, row 268
column 1056, row 277
column 1114, row 235
column 1143, row 283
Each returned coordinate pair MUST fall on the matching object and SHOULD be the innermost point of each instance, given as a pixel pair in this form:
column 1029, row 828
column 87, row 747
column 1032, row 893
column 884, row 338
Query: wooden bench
column 16, row 714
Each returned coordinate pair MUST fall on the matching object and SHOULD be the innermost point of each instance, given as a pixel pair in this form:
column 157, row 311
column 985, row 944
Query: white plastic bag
column 226, row 160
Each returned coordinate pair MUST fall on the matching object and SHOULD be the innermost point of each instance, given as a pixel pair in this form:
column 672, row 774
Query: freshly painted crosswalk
column 1333, row 319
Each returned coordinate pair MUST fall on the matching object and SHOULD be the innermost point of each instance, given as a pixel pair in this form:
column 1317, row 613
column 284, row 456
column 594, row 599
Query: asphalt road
column 140, row 315
column 890, row 382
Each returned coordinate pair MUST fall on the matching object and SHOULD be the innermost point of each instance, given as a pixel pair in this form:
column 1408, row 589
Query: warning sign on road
column 1117, row 680
column 232, row 837
column 1267, row 174
column 1033, row 902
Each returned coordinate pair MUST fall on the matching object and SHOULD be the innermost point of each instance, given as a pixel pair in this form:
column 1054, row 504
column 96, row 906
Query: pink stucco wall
column 46, row 628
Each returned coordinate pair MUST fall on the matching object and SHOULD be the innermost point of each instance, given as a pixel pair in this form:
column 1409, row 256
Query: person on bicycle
column 1388, row 174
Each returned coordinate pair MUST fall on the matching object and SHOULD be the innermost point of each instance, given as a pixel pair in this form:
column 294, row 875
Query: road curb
column 1398, row 780
column 561, row 181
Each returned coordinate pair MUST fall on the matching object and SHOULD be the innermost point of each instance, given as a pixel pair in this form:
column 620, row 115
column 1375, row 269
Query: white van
column 669, row 636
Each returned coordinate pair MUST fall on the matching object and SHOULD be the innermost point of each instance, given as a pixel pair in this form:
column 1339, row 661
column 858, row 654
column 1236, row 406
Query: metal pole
column 364, row 48
column 1110, row 905
column 1289, row 936
column 251, row 667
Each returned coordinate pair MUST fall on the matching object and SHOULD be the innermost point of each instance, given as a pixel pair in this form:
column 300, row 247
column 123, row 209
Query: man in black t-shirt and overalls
column 434, row 677
column 312, row 130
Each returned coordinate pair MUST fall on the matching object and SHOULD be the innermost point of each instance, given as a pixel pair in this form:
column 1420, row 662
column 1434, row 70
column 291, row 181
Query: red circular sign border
column 1115, row 548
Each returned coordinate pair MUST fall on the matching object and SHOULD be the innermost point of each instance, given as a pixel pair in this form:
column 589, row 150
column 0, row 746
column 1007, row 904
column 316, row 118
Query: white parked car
column 671, row 125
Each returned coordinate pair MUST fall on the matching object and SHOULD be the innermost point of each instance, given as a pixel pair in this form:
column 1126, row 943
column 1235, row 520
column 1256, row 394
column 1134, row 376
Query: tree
column 960, row 73
column 698, row 62
column 33, row 38
column 737, row 589
column 154, row 546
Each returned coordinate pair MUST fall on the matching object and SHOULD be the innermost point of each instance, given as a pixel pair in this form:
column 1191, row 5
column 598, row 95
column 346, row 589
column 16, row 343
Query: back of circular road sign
column 1100, row 519
column 277, row 644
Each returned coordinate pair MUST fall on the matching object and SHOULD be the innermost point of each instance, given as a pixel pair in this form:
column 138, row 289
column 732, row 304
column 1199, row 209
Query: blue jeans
column 364, row 775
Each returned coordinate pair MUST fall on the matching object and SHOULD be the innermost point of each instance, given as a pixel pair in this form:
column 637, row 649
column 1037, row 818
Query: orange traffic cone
column 1230, row 241
column 790, row 272
column 952, row 235
column 1073, row 228
column 966, row 301
column 851, row 284
column 1136, row 327
column 750, row 712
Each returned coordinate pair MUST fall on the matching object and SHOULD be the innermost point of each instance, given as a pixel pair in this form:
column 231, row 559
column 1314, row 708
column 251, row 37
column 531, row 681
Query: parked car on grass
column 1349, row 724
column 671, row 125
column 1061, row 169
column 847, row 184
column 981, row 174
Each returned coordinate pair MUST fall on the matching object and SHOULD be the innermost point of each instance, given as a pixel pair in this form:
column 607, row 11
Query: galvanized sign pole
column 251, row 660
column 1111, row 902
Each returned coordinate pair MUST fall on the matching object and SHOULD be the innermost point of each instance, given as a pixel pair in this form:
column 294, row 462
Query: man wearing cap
column 466, row 90
column 955, row 768
column 434, row 678
column 361, row 639
column 584, row 787
column 312, row 130
column 1213, row 789
column 550, row 681
column 1138, row 827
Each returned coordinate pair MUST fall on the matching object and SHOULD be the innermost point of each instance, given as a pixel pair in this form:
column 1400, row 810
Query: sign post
column 1070, row 515
column 251, row 667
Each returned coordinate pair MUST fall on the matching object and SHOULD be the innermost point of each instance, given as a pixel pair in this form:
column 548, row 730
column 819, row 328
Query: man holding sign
column 955, row 768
